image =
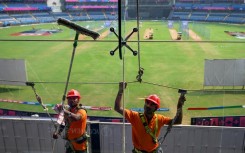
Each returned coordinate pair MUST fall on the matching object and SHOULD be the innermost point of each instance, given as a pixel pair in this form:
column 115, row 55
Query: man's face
column 150, row 107
column 73, row 101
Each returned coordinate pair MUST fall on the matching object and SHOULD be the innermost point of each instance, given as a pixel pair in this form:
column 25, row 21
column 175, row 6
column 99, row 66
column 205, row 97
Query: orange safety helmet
column 155, row 99
column 73, row 93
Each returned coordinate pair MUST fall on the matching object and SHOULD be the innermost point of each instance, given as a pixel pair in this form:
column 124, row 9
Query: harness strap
column 135, row 150
column 147, row 129
column 79, row 140
column 82, row 138
column 70, row 146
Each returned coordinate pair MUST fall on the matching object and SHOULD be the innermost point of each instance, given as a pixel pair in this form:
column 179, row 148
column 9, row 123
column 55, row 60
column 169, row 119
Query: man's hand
column 55, row 135
column 66, row 112
column 58, row 108
column 122, row 86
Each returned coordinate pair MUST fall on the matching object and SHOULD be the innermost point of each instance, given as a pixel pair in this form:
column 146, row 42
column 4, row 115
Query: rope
column 54, row 144
column 109, row 83
column 160, row 85
column 141, row 70
column 169, row 127
column 55, row 82
column 40, row 101
column 124, row 139
column 145, row 41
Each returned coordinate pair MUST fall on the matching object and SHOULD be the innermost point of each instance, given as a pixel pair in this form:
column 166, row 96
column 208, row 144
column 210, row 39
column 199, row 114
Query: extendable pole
column 70, row 67
column 68, row 78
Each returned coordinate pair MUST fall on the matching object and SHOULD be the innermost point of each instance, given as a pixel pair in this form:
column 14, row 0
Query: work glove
column 58, row 108
column 55, row 135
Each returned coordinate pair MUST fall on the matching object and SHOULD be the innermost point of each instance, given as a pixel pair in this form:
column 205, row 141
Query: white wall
column 25, row 135
column 224, row 72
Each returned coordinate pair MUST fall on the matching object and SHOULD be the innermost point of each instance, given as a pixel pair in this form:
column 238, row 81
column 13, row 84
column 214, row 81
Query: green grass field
column 168, row 65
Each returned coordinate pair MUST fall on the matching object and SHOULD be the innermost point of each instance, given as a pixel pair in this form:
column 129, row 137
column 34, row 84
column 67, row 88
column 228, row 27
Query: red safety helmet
column 73, row 93
column 155, row 99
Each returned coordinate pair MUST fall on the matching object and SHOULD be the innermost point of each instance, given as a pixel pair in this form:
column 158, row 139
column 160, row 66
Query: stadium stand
column 229, row 11
column 91, row 10
column 235, row 18
column 154, row 9
column 79, row 16
column 43, row 17
column 216, row 17
column 181, row 15
column 198, row 16
column 57, row 15
column 18, row 12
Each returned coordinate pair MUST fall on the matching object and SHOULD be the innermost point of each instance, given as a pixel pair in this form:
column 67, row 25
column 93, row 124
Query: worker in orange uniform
column 146, row 126
column 75, row 124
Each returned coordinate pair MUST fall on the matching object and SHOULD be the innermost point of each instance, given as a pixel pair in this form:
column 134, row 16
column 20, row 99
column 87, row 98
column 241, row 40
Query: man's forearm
column 73, row 115
column 179, row 116
column 179, row 113
column 118, row 104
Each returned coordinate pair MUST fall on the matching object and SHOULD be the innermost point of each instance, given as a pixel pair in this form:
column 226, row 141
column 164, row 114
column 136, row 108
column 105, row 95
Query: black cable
column 151, row 83
column 145, row 41
column 54, row 82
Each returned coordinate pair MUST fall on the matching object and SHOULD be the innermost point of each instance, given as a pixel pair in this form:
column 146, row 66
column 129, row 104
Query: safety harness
column 78, row 140
column 149, row 131
column 84, row 137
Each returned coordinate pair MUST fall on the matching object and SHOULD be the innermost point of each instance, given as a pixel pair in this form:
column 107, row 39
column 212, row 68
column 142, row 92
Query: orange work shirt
column 141, row 139
column 77, row 128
